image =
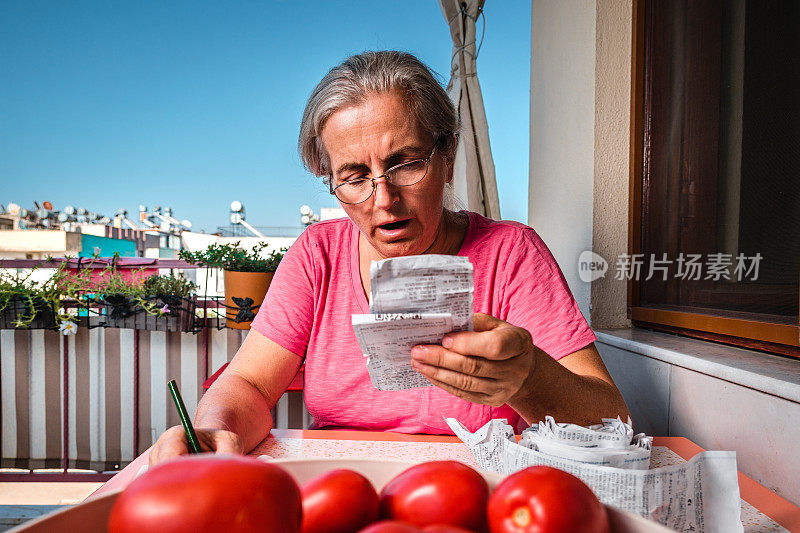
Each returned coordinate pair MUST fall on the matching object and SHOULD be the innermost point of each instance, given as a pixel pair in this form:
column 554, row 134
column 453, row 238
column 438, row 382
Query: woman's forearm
column 235, row 405
column 553, row 390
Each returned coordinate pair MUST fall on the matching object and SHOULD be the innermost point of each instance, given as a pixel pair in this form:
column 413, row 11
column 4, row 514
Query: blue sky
column 108, row 105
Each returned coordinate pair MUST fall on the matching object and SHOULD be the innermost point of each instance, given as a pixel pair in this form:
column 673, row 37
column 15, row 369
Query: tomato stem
column 521, row 516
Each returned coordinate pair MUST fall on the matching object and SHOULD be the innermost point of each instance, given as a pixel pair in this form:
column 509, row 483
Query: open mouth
column 395, row 225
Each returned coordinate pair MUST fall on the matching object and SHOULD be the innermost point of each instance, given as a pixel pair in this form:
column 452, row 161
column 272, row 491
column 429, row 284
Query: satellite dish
column 81, row 219
column 236, row 218
column 305, row 220
column 142, row 208
column 42, row 213
column 23, row 213
column 305, row 210
column 13, row 208
column 104, row 220
column 69, row 210
column 157, row 208
column 186, row 224
column 81, row 211
column 63, row 217
column 236, row 206
column 47, row 205
column 168, row 211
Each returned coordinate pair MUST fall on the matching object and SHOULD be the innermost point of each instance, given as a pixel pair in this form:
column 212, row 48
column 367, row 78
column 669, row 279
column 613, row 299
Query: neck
column 449, row 234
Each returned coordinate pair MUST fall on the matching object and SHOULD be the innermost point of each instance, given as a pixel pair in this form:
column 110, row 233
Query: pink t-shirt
column 318, row 287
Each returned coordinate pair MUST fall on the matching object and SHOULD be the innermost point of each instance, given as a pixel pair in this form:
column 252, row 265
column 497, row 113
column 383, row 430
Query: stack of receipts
column 611, row 443
column 413, row 300
column 701, row 495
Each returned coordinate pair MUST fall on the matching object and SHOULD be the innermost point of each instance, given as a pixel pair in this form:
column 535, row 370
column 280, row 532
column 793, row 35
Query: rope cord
column 463, row 46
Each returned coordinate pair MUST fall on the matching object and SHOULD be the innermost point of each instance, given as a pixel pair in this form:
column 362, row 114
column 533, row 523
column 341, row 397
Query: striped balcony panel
column 30, row 401
column 102, row 405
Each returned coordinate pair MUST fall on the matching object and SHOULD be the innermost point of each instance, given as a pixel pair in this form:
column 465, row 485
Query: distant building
column 77, row 233
column 79, row 241
column 37, row 234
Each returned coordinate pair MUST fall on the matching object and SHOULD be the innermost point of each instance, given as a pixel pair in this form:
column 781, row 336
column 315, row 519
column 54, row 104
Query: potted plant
column 175, row 300
column 28, row 304
column 247, row 276
column 156, row 303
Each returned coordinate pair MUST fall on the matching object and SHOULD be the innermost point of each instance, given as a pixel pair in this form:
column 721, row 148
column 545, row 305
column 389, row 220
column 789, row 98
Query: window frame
column 767, row 336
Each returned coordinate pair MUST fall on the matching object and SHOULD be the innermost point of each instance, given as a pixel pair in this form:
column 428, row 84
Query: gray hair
column 355, row 78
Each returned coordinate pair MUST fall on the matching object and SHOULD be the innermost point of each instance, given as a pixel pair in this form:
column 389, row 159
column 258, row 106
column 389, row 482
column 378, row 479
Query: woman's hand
column 490, row 365
column 172, row 443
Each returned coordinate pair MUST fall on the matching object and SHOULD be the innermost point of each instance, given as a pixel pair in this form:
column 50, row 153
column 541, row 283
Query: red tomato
column 390, row 526
column 441, row 528
column 542, row 499
column 437, row 492
column 209, row 493
column 340, row 501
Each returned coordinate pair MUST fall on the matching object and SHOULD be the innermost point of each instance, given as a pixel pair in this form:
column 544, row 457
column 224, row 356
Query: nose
column 386, row 194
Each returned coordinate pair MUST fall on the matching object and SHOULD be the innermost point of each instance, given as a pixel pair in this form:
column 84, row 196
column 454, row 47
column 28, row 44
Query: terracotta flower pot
column 244, row 294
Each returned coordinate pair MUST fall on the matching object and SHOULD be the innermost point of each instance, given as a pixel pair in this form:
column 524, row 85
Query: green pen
column 191, row 436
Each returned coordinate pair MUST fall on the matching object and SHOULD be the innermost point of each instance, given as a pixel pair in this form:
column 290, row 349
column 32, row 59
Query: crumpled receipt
column 414, row 300
column 611, row 443
column 701, row 495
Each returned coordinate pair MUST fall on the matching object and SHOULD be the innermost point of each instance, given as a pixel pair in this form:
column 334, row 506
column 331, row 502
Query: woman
column 383, row 133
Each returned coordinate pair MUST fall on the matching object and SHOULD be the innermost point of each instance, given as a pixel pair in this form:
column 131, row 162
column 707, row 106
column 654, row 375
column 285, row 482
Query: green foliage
column 148, row 292
column 114, row 282
column 231, row 257
column 168, row 285
column 23, row 299
column 27, row 297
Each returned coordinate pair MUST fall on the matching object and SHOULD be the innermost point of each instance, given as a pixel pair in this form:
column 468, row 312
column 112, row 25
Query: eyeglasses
column 357, row 190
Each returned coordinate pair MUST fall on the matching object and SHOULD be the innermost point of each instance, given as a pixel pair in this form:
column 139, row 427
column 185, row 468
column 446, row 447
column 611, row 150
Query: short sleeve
column 287, row 314
column 538, row 299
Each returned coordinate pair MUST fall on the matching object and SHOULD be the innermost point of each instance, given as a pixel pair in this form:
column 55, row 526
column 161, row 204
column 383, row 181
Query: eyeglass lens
column 359, row 190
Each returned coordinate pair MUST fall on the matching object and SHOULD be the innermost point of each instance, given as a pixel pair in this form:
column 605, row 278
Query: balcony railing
column 95, row 400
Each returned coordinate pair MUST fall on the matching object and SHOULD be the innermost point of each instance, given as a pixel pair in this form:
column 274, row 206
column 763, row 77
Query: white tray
column 92, row 516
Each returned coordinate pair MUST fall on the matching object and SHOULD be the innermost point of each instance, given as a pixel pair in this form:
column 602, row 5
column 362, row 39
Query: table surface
column 295, row 442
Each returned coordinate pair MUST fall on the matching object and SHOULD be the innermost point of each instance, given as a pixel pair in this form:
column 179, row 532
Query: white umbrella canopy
column 474, row 179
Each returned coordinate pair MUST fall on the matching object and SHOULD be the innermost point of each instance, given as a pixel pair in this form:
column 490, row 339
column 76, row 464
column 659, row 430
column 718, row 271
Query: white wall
column 719, row 397
column 562, row 132
column 612, row 158
column 578, row 200
column 15, row 244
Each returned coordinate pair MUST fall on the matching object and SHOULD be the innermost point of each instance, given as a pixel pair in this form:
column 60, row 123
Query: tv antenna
column 237, row 218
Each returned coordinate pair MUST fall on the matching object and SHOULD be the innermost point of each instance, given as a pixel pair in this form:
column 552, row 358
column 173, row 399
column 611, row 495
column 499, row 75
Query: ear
column 449, row 157
column 449, row 168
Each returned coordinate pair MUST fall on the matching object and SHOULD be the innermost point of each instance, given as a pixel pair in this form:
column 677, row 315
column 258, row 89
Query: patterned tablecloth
column 281, row 447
